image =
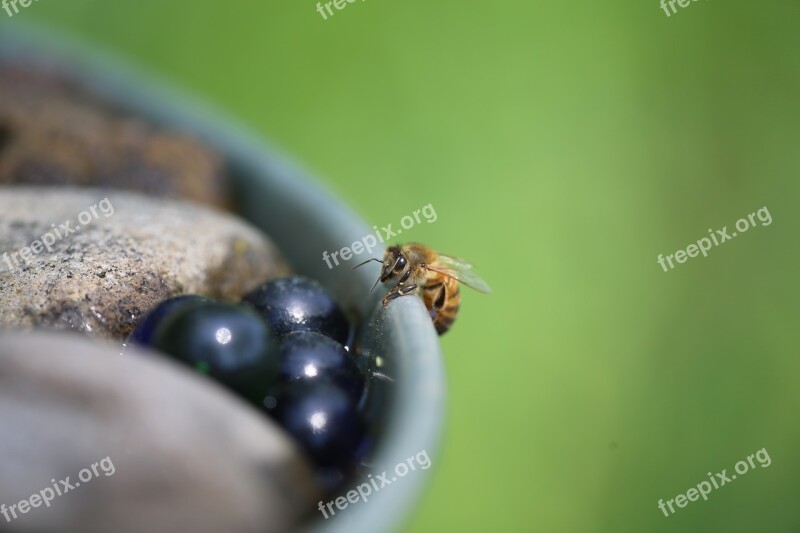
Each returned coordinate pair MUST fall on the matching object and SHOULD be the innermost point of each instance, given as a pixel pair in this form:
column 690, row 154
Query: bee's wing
column 455, row 262
column 461, row 270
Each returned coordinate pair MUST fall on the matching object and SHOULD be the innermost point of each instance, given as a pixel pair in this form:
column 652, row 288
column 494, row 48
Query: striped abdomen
column 442, row 299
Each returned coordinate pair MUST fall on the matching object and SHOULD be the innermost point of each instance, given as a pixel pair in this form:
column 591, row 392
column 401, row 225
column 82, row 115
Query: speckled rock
column 147, row 446
column 54, row 131
column 120, row 254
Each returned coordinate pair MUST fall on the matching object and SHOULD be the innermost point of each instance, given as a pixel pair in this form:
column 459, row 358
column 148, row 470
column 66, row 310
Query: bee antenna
column 367, row 261
column 376, row 284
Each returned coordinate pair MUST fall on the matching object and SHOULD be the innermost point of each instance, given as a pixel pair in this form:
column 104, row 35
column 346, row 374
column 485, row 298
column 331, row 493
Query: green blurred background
column 564, row 145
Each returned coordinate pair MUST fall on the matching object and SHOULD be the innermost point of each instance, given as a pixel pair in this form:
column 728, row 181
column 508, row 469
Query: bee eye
column 400, row 265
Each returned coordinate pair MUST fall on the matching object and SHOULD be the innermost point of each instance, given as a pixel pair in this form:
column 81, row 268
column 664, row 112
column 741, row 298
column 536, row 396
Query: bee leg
column 397, row 292
column 408, row 289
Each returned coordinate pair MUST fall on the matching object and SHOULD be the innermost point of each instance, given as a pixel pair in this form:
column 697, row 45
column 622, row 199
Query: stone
column 119, row 254
column 147, row 446
column 55, row 131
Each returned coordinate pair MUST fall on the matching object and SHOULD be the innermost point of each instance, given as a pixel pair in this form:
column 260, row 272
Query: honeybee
column 434, row 276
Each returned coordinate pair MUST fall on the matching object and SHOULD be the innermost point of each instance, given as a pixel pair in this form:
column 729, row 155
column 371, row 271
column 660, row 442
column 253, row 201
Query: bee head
column 394, row 264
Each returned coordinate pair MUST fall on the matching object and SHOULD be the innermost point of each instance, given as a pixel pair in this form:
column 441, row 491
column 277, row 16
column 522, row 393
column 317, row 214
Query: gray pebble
column 120, row 255
column 147, row 445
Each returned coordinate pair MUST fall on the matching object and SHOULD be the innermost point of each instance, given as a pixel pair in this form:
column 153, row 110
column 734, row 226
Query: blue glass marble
column 299, row 304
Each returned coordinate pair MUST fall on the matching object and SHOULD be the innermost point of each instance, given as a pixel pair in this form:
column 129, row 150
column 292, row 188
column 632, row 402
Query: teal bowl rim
column 274, row 193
